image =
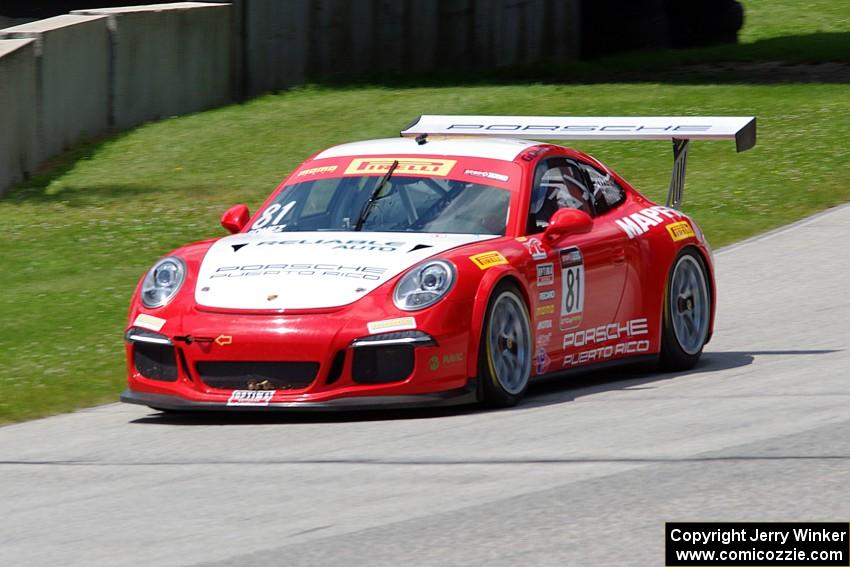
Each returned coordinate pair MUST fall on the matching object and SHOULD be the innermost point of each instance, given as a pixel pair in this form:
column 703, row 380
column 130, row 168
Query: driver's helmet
column 552, row 192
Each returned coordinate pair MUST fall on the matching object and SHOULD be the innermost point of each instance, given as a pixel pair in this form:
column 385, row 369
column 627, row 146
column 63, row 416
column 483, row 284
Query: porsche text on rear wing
column 679, row 129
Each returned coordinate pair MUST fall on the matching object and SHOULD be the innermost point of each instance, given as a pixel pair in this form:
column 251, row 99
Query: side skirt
column 595, row 367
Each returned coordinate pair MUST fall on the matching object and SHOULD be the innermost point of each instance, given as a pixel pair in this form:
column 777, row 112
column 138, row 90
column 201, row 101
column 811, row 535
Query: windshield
column 406, row 204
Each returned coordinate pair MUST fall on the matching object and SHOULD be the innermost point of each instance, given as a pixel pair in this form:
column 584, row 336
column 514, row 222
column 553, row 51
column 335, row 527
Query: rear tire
column 687, row 312
column 505, row 354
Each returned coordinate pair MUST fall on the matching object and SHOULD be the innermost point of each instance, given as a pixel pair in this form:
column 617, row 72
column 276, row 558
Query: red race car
column 453, row 264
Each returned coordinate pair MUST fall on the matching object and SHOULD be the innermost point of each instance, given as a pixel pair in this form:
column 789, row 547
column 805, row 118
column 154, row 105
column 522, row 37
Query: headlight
column 424, row 285
column 163, row 281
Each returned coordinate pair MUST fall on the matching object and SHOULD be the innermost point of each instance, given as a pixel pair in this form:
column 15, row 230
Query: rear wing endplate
column 679, row 129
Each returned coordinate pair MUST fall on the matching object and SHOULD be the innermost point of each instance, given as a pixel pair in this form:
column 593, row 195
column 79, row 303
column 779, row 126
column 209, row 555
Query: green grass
column 77, row 238
column 768, row 19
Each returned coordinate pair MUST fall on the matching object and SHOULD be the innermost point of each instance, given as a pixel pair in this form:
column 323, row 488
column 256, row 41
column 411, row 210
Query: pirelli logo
column 680, row 230
column 488, row 259
column 431, row 167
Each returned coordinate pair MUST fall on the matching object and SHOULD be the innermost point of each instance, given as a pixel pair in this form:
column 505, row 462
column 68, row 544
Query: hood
column 311, row 270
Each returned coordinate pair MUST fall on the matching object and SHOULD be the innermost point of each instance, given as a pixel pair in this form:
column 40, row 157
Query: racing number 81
column 572, row 295
column 572, row 282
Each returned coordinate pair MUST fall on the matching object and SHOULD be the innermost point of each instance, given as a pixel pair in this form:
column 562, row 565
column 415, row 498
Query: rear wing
column 679, row 129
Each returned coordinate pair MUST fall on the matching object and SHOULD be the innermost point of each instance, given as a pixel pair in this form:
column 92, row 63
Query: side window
column 607, row 193
column 558, row 183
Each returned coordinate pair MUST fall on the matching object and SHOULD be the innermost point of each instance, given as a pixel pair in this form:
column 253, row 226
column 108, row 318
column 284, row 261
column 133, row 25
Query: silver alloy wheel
column 690, row 304
column 509, row 343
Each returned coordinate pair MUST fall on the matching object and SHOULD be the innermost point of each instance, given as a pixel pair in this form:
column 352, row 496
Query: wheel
column 504, row 362
column 687, row 312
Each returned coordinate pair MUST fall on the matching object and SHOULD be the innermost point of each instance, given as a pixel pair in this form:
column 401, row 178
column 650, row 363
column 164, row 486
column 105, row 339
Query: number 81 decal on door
column 572, row 284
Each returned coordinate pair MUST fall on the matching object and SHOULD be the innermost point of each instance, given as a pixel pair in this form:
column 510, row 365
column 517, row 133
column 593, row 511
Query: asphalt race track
column 584, row 473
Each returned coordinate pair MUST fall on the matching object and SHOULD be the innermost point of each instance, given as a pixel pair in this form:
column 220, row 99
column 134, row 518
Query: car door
column 579, row 277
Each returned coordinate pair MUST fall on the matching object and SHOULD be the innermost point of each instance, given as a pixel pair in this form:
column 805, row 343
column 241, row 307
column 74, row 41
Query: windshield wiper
column 376, row 194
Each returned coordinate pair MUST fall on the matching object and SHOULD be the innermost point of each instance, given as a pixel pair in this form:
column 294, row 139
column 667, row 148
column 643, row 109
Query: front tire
column 504, row 361
column 687, row 312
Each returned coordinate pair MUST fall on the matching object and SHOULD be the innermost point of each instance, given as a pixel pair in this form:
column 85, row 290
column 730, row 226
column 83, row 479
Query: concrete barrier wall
column 167, row 59
column 18, row 147
column 287, row 42
column 72, row 64
column 77, row 76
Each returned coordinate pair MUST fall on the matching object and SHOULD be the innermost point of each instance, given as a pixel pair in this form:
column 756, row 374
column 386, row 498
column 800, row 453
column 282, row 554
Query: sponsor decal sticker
column 250, row 397
column 545, row 274
column 628, row 334
column 488, row 259
column 389, row 325
column 605, row 333
column 322, row 270
column 680, row 230
column 371, row 245
column 274, row 214
column 570, row 322
column 543, row 339
column 541, row 361
column 149, row 322
column 546, row 295
column 424, row 166
column 638, row 223
column 572, row 282
column 544, row 310
column 544, row 324
column 606, row 352
column 535, row 248
column 487, row 175
column 317, row 170
column 453, row 358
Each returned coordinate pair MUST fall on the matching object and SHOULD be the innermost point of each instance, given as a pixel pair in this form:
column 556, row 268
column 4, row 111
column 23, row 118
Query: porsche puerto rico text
column 331, row 270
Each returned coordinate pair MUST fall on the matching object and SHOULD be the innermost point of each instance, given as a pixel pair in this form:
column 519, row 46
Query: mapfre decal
column 640, row 222
column 680, row 230
column 488, row 259
column 430, row 167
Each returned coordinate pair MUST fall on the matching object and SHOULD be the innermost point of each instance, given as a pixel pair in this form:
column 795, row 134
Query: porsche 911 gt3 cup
column 454, row 264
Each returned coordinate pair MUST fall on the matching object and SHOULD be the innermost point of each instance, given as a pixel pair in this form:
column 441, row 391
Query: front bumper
column 327, row 359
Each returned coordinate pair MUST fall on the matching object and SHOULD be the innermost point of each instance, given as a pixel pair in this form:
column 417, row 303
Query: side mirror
column 567, row 221
column 235, row 218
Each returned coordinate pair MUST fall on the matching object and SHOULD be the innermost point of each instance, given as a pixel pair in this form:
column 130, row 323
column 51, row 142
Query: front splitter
column 461, row 396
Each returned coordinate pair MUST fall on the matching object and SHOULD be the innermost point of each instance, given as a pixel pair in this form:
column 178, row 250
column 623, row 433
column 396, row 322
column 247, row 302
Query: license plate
column 250, row 397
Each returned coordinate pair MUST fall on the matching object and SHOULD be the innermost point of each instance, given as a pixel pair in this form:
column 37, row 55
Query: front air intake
column 382, row 364
column 155, row 361
column 248, row 375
